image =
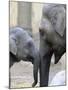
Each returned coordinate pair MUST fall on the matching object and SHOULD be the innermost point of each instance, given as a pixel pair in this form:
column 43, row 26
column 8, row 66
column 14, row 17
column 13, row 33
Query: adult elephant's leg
column 44, row 69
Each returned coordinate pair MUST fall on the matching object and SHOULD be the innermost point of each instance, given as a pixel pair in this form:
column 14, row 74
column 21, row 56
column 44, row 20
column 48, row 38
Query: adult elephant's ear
column 12, row 46
column 58, row 19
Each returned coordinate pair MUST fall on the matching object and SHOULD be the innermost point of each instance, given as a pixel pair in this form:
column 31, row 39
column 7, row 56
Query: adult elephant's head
column 53, row 28
column 22, row 46
column 52, row 37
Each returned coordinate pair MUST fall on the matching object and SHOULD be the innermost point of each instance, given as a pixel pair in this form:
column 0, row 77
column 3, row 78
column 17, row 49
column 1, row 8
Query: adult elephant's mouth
column 59, row 51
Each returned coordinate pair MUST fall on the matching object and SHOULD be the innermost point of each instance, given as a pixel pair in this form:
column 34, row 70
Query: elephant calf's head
column 22, row 47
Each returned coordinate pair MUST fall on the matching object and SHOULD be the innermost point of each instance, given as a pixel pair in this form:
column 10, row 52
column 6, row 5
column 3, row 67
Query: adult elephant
column 22, row 48
column 52, row 37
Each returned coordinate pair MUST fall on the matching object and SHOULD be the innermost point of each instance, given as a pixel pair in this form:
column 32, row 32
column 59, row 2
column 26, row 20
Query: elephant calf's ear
column 12, row 46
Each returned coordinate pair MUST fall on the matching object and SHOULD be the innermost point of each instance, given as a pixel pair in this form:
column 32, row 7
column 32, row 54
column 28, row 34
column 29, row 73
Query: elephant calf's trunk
column 35, row 68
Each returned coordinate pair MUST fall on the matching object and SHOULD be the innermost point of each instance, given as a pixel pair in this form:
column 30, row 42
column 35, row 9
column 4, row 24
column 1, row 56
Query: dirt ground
column 22, row 73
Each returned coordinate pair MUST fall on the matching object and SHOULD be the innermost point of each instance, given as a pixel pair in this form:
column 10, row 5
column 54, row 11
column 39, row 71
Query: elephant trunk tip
column 34, row 84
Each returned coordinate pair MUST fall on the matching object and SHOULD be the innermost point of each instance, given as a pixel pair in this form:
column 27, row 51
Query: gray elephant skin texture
column 22, row 47
column 52, row 37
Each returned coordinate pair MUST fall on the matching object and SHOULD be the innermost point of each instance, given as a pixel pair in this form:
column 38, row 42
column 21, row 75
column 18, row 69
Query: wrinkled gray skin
column 22, row 48
column 52, row 37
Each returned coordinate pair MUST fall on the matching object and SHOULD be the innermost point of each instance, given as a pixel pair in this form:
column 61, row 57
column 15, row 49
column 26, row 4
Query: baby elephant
column 22, row 47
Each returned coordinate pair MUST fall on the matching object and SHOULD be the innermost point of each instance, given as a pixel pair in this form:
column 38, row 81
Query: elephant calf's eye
column 29, row 44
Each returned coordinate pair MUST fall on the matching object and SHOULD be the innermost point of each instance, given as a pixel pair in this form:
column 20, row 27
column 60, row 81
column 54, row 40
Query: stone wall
column 24, row 14
column 13, row 14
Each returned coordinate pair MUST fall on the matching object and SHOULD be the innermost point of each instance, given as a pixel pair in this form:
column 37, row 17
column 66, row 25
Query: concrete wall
column 13, row 13
column 36, row 16
column 20, row 14
column 24, row 14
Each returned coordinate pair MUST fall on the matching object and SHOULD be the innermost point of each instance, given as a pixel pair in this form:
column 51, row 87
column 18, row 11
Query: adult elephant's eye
column 41, row 32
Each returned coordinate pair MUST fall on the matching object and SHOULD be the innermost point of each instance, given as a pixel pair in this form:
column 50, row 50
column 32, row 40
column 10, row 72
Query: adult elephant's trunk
column 45, row 54
column 44, row 69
